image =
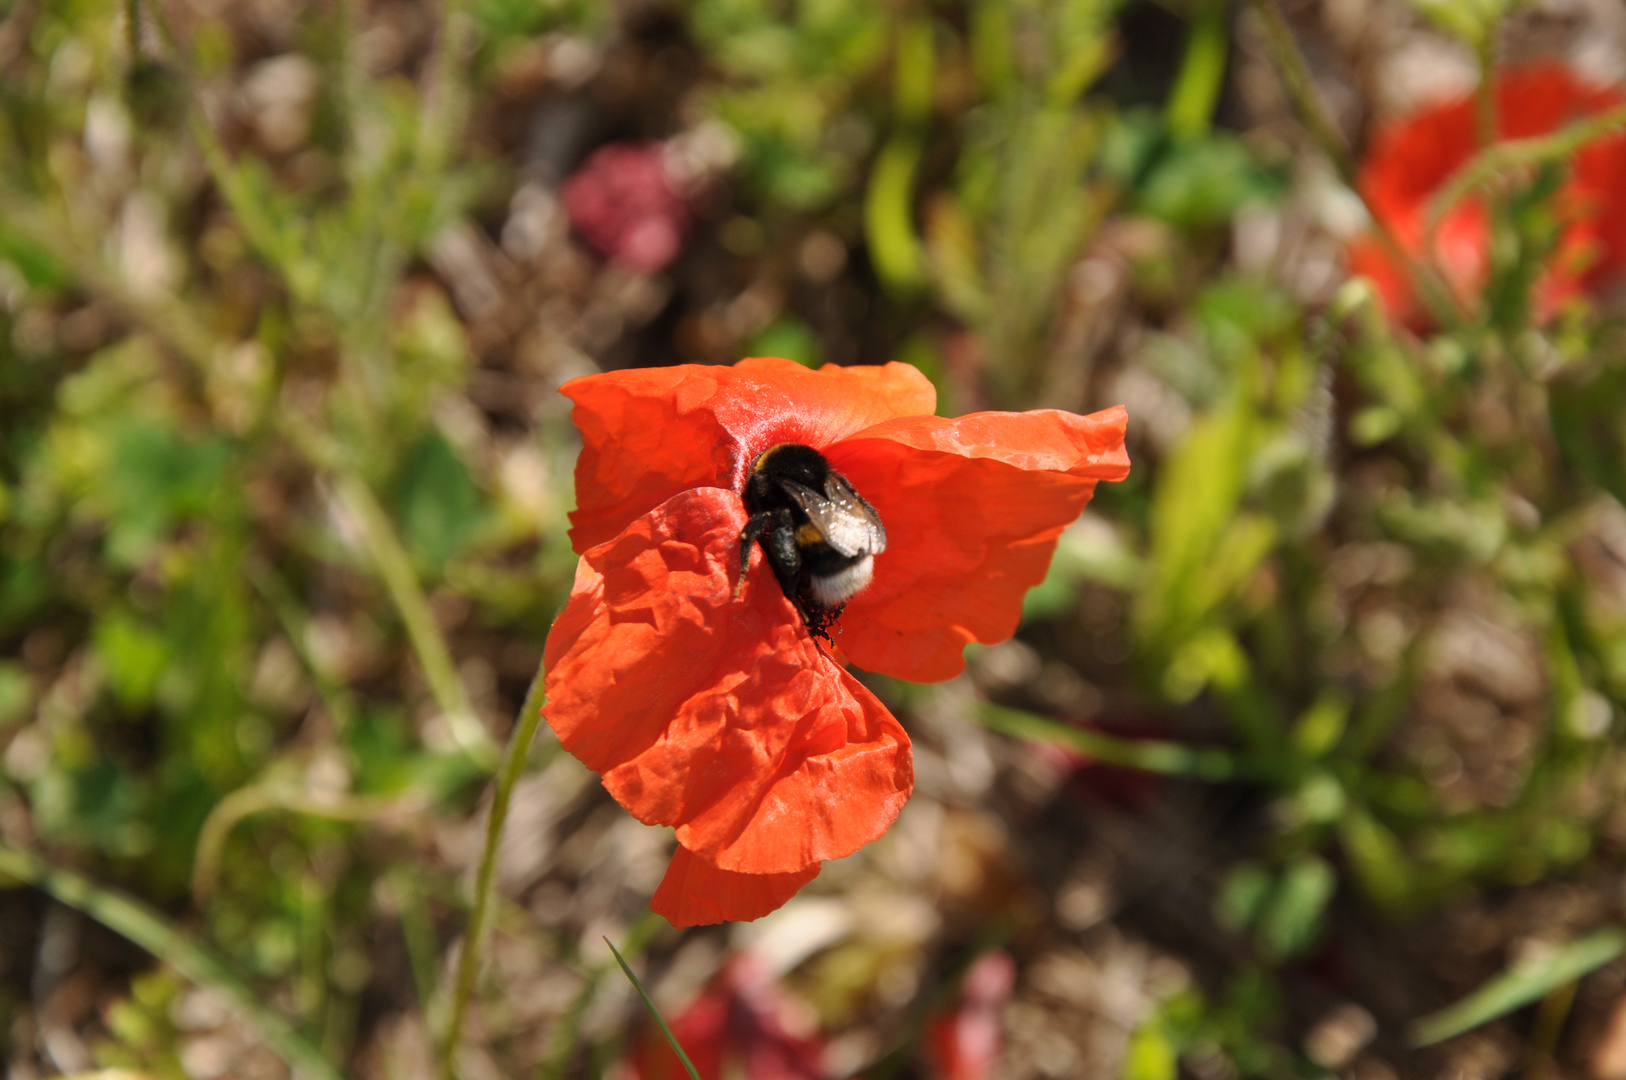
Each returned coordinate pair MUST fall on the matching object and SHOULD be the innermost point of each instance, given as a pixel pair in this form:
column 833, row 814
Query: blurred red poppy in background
column 743, row 1025
column 1413, row 158
column 623, row 202
column 964, row 1042
column 721, row 715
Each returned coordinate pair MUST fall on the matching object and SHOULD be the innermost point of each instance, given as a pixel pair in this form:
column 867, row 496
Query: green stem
column 468, row 963
column 394, row 566
column 1485, row 92
column 169, row 943
column 1156, row 756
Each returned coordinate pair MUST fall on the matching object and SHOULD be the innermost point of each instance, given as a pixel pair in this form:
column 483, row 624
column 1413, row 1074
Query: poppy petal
column 648, row 433
column 717, row 715
column 972, row 508
column 696, row 893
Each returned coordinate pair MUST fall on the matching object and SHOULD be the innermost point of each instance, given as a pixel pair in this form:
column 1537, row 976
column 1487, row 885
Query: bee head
column 786, row 461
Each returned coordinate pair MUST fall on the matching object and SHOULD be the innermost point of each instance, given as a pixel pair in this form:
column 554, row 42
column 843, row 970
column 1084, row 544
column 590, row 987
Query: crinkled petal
column 696, row 893
column 972, row 509
column 716, row 715
column 649, row 433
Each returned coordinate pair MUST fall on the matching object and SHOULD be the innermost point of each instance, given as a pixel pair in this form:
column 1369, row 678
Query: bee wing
column 843, row 518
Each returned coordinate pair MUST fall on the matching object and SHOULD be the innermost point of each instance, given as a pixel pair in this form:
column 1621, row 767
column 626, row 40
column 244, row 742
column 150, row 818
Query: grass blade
column 170, row 944
column 656, row 1013
column 1521, row 985
column 1148, row 755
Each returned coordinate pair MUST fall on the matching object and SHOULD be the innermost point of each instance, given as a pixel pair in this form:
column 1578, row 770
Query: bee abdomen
column 832, row 588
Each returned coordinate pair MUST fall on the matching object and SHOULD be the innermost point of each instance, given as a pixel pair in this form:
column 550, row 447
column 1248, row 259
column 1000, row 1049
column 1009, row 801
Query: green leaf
column 1151, row 1055
column 37, row 268
column 1521, row 985
column 1202, row 549
column 914, row 71
column 155, row 479
column 16, row 691
column 1242, row 896
column 660, row 1021
column 1150, row 755
column 791, row 338
column 1202, row 184
column 1190, row 110
column 1291, row 920
column 133, row 657
column 436, row 501
column 1322, row 725
column 889, row 225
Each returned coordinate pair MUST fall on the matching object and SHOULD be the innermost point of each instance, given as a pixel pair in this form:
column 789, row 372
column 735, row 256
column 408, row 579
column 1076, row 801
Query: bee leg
column 784, row 555
column 748, row 536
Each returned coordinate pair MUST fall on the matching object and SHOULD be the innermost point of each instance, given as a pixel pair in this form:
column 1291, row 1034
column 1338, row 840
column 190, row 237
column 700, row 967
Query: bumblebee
column 819, row 535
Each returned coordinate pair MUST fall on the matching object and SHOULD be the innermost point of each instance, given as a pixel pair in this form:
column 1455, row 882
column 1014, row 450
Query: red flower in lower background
column 624, row 203
column 743, row 1025
column 964, row 1043
column 1413, row 158
column 704, row 698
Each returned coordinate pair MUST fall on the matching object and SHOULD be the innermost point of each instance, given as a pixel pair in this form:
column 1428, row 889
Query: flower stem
column 170, row 944
column 1148, row 755
column 468, row 963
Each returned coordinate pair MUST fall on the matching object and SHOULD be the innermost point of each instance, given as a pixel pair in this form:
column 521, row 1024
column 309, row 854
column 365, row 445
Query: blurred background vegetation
column 1303, row 764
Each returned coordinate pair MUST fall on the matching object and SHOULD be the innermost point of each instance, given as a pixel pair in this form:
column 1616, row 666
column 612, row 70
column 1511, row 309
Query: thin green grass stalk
column 556, row 1059
column 1148, row 755
column 274, row 590
column 394, row 567
column 445, row 98
column 169, row 943
column 169, row 322
column 418, row 932
column 1517, row 153
column 660, row 1021
column 1521, row 985
column 254, row 799
column 562, row 1043
column 468, row 962
column 1299, row 85
column 283, row 250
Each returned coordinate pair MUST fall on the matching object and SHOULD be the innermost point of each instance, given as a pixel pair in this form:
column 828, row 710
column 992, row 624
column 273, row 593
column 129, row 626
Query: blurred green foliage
column 238, row 506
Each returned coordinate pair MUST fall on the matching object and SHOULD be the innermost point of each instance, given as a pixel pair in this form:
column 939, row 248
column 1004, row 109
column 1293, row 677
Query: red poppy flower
column 712, row 708
column 965, row 1042
column 624, row 203
column 1412, row 159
